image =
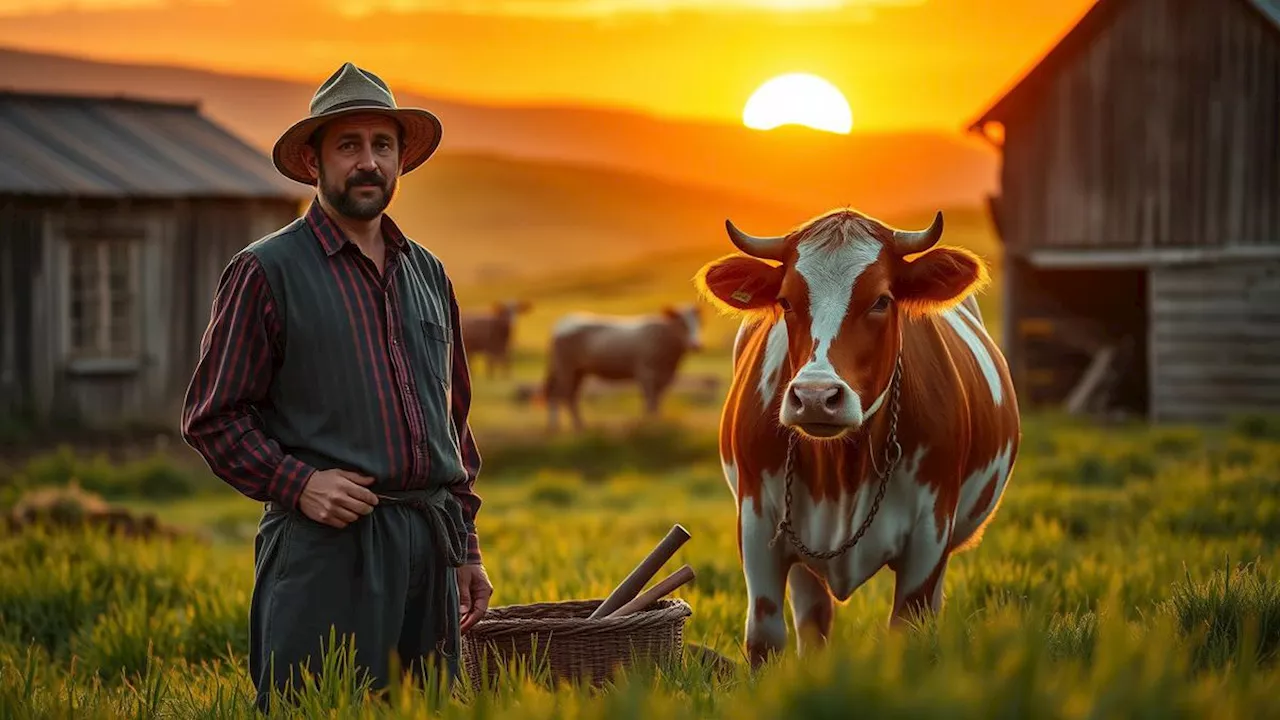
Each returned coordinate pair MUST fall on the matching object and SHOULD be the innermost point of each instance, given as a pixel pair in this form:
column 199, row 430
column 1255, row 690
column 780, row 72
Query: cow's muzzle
column 825, row 409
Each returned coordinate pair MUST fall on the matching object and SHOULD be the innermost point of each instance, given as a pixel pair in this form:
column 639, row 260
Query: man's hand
column 474, row 591
column 337, row 497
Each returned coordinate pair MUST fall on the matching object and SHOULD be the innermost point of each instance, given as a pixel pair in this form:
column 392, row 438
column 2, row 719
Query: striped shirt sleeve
column 238, row 355
column 465, row 491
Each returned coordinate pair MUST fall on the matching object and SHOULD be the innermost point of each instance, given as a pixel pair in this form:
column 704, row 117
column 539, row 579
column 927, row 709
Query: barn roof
column 87, row 146
column 1076, row 39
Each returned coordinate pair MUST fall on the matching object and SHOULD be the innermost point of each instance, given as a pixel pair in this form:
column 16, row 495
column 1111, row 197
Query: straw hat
column 353, row 90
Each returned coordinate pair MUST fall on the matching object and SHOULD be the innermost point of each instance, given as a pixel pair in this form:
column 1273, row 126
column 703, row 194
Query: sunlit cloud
column 607, row 8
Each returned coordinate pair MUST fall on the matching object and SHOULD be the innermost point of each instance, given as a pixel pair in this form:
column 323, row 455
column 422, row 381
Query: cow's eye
column 882, row 304
column 784, row 304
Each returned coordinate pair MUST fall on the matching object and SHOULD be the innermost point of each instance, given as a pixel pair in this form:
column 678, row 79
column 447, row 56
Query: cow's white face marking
column 775, row 353
column 956, row 318
column 830, row 272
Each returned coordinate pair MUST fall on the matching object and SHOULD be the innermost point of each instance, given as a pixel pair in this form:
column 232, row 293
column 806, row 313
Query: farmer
column 332, row 385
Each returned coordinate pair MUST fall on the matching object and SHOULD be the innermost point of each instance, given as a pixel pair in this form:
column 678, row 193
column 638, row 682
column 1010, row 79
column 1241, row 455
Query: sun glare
column 798, row 99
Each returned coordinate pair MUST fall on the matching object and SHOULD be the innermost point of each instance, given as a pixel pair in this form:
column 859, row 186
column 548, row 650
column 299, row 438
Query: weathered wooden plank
column 156, row 317
column 1194, row 312
column 1250, row 282
column 1245, row 298
column 1120, row 257
column 1236, row 143
column 1263, row 397
column 1223, row 327
column 1177, row 410
column 1196, row 348
column 9, row 383
column 1226, row 372
column 1269, row 94
column 1259, row 393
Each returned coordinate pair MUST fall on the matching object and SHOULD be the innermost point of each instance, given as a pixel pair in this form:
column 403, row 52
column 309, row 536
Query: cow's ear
column 938, row 280
column 735, row 284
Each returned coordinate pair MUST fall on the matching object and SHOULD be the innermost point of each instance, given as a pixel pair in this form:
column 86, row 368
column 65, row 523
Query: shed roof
column 1080, row 35
column 89, row 146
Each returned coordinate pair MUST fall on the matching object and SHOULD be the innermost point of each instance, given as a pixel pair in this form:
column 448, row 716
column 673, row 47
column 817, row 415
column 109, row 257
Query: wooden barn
column 1140, row 212
column 117, row 217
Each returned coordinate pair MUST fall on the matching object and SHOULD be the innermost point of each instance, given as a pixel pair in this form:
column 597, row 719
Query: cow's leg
column 765, row 573
column 504, row 363
column 920, row 571
column 651, row 391
column 551, row 394
column 812, row 607
column 572, row 395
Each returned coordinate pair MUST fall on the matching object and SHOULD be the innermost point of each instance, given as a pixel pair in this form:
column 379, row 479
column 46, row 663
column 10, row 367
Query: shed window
column 103, row 298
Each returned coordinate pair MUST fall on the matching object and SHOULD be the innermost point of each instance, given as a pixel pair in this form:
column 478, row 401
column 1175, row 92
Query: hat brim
column 422, row 134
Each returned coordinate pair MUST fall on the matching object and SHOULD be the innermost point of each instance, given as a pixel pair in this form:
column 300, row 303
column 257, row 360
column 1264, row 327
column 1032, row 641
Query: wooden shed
column 117, row 217
column 1140, row 212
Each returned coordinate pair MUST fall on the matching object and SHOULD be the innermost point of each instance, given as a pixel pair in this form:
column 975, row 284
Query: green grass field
column 1131, row 571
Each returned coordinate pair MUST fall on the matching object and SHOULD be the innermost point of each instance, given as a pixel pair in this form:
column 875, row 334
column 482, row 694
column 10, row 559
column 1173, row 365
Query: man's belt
column 442, row 511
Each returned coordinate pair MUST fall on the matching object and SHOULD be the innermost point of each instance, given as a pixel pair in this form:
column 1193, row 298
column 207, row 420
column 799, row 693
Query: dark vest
column 322, row 408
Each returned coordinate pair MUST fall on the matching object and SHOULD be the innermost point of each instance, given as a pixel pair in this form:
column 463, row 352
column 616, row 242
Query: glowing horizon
column 904, row 64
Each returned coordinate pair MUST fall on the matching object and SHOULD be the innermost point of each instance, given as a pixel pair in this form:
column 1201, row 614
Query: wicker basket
column 559, row 637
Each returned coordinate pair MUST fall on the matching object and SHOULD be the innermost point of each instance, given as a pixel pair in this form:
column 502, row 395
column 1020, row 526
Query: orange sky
column 900, row 63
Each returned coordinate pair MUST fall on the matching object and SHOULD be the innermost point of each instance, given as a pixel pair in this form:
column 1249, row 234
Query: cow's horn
column 767, row 248
column 909, row 242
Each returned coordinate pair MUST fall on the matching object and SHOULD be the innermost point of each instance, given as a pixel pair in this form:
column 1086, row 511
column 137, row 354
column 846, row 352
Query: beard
column 343, row 198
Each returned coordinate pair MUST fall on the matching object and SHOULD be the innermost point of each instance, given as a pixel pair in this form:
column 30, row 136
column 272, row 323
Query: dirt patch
column 72, row 508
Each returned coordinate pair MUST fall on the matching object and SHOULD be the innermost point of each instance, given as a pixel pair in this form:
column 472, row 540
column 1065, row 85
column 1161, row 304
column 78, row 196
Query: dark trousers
column 382, row 583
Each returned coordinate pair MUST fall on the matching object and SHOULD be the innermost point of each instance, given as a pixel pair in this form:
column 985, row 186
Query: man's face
column 359, row 164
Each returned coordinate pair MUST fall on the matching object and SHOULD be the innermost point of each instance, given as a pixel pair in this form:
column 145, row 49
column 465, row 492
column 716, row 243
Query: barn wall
column 184, row 246
column 21, row 236
column 1215, row 340
column 1161, row 133
column 104, row 392
column 212, row 233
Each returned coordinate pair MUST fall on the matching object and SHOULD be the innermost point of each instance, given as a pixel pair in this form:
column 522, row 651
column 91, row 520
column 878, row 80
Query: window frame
column 101, row 355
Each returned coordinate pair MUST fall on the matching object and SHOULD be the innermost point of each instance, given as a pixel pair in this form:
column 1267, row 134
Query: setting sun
column 798, row 99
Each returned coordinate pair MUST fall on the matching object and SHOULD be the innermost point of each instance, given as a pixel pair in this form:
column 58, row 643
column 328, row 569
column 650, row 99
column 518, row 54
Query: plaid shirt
column 242, row 347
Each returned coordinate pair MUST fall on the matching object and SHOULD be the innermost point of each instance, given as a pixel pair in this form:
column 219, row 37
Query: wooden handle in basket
column 660, row 589
column 643, row 572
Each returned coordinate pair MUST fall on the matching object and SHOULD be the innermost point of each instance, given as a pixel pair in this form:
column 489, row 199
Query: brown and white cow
column 490, row 334
column 646, row 348
column 853, row 364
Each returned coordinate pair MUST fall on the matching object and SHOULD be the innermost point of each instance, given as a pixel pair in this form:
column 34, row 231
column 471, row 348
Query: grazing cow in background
column 870, row 420
column 490, row 334
column 644, row 348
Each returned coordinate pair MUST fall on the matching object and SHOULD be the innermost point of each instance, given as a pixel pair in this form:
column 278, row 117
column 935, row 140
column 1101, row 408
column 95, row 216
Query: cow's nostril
column 834, row 396
column 796, row 401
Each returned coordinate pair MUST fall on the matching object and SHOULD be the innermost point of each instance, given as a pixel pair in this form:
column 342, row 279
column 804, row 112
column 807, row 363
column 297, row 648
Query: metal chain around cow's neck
column 892, row 454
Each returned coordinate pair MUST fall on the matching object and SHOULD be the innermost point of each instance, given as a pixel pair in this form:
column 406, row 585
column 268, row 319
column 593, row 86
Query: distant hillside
column 492, row 219
column 881, row 172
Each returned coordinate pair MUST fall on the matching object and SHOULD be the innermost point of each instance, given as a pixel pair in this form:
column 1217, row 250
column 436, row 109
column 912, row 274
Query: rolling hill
column 493, row 219
column 877, row 172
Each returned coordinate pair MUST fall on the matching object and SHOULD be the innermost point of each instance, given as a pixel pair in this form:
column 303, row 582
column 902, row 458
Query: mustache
column 367, row 178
